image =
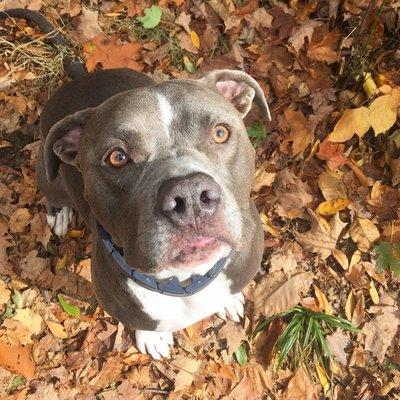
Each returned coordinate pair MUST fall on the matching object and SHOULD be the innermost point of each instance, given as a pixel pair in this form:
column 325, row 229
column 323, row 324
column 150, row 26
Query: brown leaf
column 338, row 341
column 292, row 194
column 265, row 341
column 234, row 334
column 88, row 24
column 184, row 20
column 331, row 187
column 300, row 387
column 379, row 333
column 364, row 232
column 324, row 44
column 110, row 53
column 301, row 134
column 301, row 32
column 322, row 236
column 17, row 359
column 19, row 220
column 353, row 121
column 275, row 294
column 332, row 153
column 188, row 368
column 5, row 295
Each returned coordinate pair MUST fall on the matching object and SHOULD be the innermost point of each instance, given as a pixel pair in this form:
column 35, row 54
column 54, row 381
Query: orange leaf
column 332, row 153
column 111, row 54
column 17, row 359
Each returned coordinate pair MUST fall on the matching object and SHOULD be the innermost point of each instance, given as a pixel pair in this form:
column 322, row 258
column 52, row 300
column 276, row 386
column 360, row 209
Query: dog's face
column 167, row 171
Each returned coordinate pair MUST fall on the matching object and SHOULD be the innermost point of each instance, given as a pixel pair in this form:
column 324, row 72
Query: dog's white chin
column 197, row 269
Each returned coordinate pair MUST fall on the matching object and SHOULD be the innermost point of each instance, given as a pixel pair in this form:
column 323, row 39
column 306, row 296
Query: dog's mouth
column 196, row 251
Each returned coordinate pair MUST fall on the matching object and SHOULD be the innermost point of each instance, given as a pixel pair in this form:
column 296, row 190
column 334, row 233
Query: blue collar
column 170, row 286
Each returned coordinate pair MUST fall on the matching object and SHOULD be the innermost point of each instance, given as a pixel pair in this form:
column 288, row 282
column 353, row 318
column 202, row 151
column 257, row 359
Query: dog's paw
column 233, row 309
column 156, row 344
column 59, row 219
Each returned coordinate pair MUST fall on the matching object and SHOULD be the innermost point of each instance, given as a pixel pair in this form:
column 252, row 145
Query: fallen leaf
column 110, row 53
column 57, row 329
column 184, row 20
column 364, row 232
column 233, row 333
column 323, row 301
column 373, row 293
column 301, row 133
column 263, row 178
column 17, row 359
column 322, row 376
column 195, row 39
column 338, row 341
column 30, row 320
column 19, row 220
column 187, row 367
column 152, row 17
column 293, row 194
column 273, row 297
column 332, row 207
column 300, row 387
column 5, row 295
column 301, row 32
column 379, row 333
column 323, row 45
column 383, row 111
column 321, row 238
column 88, row 24
column 353, row 122
column 332, row 153
column 331, row 187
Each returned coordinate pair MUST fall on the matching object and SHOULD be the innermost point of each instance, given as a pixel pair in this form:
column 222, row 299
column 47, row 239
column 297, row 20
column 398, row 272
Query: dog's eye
column 220, row 133
column 117, row 158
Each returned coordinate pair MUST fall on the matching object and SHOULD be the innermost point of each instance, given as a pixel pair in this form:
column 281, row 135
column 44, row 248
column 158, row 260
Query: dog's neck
column 186, row 284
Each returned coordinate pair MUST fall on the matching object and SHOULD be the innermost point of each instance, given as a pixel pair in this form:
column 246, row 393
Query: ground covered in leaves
column 327, row 187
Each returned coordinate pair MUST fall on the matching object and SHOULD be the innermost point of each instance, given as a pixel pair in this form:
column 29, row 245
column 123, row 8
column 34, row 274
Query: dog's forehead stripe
column 165, row 111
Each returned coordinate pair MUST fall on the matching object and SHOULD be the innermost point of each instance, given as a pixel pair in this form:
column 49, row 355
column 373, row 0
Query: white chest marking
column 165, row 112
column 176, row 313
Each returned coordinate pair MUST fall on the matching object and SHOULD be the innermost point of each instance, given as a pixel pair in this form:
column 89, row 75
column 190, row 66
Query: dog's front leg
column 156, row 344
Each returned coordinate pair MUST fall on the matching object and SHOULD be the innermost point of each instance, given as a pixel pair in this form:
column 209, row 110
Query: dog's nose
column 189, row 198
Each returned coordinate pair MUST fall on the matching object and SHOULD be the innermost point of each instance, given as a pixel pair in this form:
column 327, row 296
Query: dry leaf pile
column 326, row 186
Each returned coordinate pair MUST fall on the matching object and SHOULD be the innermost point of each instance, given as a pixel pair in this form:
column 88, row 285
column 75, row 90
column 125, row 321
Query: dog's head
column 167, row 169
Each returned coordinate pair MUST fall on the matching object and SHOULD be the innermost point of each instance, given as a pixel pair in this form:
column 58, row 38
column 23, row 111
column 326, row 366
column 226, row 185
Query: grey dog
column 161, row 173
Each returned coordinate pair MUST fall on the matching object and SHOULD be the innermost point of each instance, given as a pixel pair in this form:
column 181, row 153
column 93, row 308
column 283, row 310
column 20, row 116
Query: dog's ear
column 62, row 142
column 239, row 88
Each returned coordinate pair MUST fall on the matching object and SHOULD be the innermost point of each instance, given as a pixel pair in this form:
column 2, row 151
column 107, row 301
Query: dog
column 161, row 173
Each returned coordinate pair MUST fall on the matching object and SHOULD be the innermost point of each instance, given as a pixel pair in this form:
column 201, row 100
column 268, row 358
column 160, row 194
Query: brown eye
column 117, row 158
column 220, row 133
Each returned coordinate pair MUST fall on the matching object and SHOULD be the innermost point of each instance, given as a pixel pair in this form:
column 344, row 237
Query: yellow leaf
column 29, row 319
column 350, row 305
column 373, row 293
column 195, row 39
column 363, row 232
column 383, row 111
column 355, row 258
column 75, row 233
column 341, row 258
column 323, row 301
column 332, row 207
column 57, row 329
column 323, row 378
column 369, row 85
column 62, row 262
column 268, row 226
column 354, row 121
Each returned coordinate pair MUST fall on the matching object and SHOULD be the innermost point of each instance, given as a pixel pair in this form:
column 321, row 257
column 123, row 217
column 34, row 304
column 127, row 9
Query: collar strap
column 170, row 286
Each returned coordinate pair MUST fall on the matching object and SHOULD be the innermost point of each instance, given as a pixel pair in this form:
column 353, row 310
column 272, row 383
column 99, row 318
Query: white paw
column 233, row 309
column 156, row 344
column 60, row 220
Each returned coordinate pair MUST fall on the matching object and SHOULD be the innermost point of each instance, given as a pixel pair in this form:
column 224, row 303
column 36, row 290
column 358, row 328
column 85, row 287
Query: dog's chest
column 175, row 313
